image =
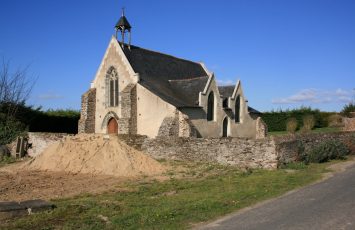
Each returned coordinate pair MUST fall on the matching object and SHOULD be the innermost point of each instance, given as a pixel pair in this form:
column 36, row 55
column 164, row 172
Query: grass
column 7, row 160
column 317, row 130
column 201, row 193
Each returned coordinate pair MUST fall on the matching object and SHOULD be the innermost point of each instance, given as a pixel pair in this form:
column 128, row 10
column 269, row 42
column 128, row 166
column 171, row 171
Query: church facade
column 139, row 91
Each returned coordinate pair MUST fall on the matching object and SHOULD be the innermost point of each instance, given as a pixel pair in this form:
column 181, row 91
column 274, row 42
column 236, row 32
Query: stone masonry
column 244, row 153
column 261, row 128
column 126, row 124
column 87, row 115
column 267, row 153
column 287, row 147
column 349, row 124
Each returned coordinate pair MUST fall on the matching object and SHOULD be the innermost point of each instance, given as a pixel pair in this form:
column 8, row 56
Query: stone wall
column 261, row 128
column 125, row 123
column 349, row 124
column 169, row 127
column 40, row 141
column 177, row 126
column 229, row 151
column 266, row 153
column 87, row 115
column 287, row 147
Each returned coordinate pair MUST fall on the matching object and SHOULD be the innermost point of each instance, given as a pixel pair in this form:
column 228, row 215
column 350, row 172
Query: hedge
column 276, row 120
column 58, row 121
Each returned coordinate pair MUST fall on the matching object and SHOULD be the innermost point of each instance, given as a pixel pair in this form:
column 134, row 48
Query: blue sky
column 287, row 53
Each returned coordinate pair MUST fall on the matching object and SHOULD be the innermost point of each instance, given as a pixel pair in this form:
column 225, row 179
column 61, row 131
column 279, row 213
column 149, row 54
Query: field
column 186, row 195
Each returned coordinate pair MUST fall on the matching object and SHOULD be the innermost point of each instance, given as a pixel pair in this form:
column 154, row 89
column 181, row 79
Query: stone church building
column 139, row 91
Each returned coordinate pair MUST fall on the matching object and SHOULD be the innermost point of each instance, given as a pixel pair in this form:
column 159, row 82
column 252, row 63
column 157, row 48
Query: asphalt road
column 329, row 204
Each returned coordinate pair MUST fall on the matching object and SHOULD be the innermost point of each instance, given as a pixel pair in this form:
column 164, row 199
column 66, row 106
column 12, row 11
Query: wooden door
column 112, row 126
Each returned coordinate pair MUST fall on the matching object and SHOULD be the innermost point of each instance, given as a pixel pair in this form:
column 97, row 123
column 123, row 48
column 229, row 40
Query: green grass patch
column 7, row 160
column 317, row 130
column 177, row 203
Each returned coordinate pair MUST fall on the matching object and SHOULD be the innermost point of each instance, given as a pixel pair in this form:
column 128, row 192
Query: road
column 329, row 204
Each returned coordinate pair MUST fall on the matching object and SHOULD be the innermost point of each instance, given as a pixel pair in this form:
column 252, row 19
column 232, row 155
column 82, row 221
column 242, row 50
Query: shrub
column 335, row 120
column 348, row 109
column 291, row 125
column 9, row 129
column 301, row 154
column 308, row 123
column 327, row 151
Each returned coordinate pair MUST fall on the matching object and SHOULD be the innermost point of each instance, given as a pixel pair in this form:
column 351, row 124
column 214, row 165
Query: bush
column 348, row 109
column 301, row 154
column 308, row 123
column 335, row 120
column 291, row 125
column 326, row 151
column 9, row 129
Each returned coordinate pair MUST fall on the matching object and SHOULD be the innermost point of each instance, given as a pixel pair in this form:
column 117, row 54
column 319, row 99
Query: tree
column 15, row 89
column 348, row 109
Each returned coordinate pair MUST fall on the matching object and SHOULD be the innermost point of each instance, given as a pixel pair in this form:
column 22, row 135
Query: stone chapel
column 140, row 91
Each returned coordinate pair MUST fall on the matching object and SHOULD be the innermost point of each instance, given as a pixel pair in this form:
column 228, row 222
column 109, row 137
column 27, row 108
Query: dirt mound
column 95, row 154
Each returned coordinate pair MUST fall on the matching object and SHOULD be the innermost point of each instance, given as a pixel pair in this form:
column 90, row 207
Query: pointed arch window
column 210, row 107
column 237, row 109
column 112, row 87
column 225, row 127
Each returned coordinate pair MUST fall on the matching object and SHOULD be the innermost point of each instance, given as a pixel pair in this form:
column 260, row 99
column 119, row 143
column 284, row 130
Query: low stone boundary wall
column 229, row 151
column 349, row 124
column 39, row 141
column 268, row 153
column 287, row 147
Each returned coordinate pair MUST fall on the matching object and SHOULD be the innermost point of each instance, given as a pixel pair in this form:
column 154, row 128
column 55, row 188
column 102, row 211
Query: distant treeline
column 276, row 120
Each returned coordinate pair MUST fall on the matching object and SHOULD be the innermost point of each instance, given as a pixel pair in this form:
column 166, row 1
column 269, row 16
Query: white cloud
column 317, row 96
column 49, row 96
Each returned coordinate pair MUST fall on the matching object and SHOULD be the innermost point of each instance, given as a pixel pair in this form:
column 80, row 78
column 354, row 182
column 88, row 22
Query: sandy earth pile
column 94, row 154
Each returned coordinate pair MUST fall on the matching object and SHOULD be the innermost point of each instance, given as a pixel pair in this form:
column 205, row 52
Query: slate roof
column 227, row 91
column 252, row 110
column 175, row 80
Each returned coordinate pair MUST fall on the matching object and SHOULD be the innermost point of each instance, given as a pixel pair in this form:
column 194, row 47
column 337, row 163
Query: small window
column 210, row 107
column 225, row 103
column 225, row 127
column 237, row 109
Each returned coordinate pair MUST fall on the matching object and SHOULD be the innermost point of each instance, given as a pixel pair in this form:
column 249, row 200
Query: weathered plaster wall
column 152, row 113
column 245, row 128
column 113, row 57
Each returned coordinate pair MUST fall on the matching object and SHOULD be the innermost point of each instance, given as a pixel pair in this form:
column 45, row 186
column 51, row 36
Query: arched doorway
column 112, row 126
column 225, row 127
